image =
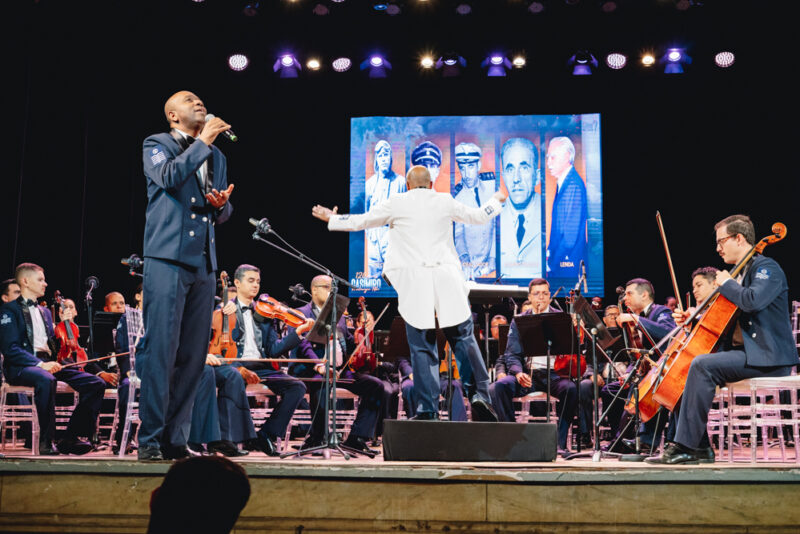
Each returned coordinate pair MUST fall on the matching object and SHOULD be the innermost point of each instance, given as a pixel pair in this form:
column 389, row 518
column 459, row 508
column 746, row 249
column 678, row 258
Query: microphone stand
column 330, row 440
column 88, row 300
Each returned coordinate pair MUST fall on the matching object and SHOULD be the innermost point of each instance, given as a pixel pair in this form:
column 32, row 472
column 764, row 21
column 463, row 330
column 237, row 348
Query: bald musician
column 187, row 194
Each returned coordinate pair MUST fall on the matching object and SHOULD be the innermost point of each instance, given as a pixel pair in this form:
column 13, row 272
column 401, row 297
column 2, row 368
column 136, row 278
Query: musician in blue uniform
column 368, row 388
column 29, row 359
column 187, row 193
column 256, row 338
column 566, row 247
column 760, row 344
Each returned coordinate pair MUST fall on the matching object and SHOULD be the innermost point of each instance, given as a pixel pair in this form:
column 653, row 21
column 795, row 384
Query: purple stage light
column 287, row 60
column 674, row 55
column 238, row 62
column 496, row 60
column 376, row 61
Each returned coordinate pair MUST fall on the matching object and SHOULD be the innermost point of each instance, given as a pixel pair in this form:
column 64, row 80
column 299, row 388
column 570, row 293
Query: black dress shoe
column 73, row 446
column 674, row 454
column 150, row 454
column 47, row 449
column 425, row 416
column 705, row 455
column 483, row 411
column 226, row 448
column 263, row 444
column 359, row 444
column 172, row 452
column 643, row 447
column 197, row 447
column 585, row 441
column 130, row 449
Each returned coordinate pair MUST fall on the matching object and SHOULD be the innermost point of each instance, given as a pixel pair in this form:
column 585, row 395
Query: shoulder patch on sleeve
column 344, row 217
column 5, row 319
column 157, row 155
column 763, row 274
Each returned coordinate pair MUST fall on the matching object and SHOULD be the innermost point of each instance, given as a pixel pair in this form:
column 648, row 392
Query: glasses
column 721, row 242
column 540, row 294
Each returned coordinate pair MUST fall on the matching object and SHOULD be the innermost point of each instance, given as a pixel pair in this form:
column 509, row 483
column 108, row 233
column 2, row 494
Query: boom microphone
column 298, row 291
column 227, row 133
column 133, row 261
column 262, row 227
column 92, row 283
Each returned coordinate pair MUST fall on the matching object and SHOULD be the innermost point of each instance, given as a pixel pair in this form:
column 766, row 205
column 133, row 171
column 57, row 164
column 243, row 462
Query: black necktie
column 520, row 229
column 477, row 198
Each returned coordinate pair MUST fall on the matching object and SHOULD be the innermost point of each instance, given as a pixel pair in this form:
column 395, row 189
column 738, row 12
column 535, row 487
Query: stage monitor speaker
column 451, row 441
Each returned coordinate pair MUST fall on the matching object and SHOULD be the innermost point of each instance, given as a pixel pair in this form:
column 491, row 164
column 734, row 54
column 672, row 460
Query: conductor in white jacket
column 422, row 265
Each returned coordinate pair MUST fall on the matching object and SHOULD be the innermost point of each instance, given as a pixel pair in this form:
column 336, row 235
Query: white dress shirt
column 421, row 261
column 39, row 330
column 250, row 351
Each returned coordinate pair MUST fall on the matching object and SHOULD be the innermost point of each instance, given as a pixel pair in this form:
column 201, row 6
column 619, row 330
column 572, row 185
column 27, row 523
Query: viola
column 270, row 308
column 667, row 380
column 221, row 342
column 67, row 332
column 363, row 359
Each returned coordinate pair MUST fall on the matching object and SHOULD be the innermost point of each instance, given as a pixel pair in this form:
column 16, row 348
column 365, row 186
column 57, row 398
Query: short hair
column 643, row 286
column 525, row 143
column 499, row 317
column 709, row 273
column 109, row 294
column 5, row 286
column 738, row 224
column 238, row 274
column 567, row 143
column 609, row 307
column 538, row 282
column 174, row 509
column 23, row 269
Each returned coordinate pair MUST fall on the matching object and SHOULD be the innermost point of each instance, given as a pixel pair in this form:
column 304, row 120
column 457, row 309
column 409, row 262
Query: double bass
column 67, row 332
column 666, row 381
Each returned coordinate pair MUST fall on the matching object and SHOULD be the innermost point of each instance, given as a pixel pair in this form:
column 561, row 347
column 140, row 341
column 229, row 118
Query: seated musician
column 369, row 389
column 760, row 343
column 123, row 364
column 522, row 379
column 494, row 325
column 610, row 316
column 25, row 329
column 657, row 321
column 386, row 372
column 458, row 412
column 256, row 338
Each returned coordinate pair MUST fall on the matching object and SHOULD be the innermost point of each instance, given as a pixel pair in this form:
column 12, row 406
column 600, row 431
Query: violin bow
column 76, row 364
column 669, row 261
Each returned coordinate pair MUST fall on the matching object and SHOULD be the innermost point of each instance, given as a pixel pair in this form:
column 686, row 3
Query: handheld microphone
column 262, row 227
column 227, row 133
column 583, row 271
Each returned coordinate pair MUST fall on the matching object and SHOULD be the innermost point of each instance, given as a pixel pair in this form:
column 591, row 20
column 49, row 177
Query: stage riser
column 117, row 503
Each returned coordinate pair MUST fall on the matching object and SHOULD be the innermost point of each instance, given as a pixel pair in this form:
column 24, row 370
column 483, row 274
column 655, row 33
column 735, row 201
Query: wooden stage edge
column 101, row 494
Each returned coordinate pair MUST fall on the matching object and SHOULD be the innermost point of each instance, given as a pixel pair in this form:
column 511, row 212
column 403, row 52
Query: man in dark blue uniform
column 187, row 192
column 256, row 337
column 760, row 344
column 369, row 388
column 26, row 330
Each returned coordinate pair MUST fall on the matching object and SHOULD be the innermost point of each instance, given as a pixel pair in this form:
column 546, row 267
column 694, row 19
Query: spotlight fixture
column 250, row 9
column 380, row 6
column 536, row 7
column 287, row 66
column 426, row 62
column 608, row 6
column 342, row 64
column 238, row 62
column 518, row 61
column 320, row 9
column 583, row 63
column 464, row 8
column 393, row 9
column 616, row 60
column 450, row 64
column 648, row 60
column 674, row 60
column 496, row 65
column 313, row 64
column 724, row 59
column 377, row 66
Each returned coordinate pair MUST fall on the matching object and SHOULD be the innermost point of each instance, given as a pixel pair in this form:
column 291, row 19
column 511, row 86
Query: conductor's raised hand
column 322, row 213
column 219, row 198
column 500, row 196
column 212, row 129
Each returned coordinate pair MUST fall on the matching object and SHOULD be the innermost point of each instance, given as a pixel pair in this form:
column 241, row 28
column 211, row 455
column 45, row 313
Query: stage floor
column 100, row 493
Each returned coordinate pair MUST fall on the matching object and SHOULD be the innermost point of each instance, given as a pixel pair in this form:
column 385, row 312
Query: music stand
column 104, row 325
column 546, row 334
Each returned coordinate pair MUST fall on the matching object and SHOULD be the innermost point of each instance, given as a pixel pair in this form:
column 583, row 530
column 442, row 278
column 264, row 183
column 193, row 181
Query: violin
column 67, row 332
column 453, row 363
column 363, row 359
column 221, row 342
column 270, row 308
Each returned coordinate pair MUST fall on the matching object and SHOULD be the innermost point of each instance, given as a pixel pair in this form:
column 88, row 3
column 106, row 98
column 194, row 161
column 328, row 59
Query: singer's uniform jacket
column 421, row 261
column 768, row 347
column 20, row 366
column 567, row 245
column 179, row 282
column 290, row 390
column 423, row 266
column 368, row 388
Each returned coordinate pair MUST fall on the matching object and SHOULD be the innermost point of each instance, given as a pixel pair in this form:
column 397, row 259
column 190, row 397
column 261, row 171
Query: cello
column 667, row 380
column 221, row 343
column 67, row 332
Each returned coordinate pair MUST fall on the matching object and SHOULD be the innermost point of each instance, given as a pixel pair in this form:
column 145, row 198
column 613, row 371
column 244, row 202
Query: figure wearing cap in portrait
column 475, row 244
column 429, row 156
column 521, row 220
column 379, row 187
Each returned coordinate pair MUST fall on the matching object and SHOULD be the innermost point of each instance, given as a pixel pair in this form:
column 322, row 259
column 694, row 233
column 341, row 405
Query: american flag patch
column 158, row 156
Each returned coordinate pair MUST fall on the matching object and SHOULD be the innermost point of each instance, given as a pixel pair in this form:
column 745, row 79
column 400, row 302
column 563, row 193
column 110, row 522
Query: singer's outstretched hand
column 219, row 198
column 322, row 213
column 212, row 129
